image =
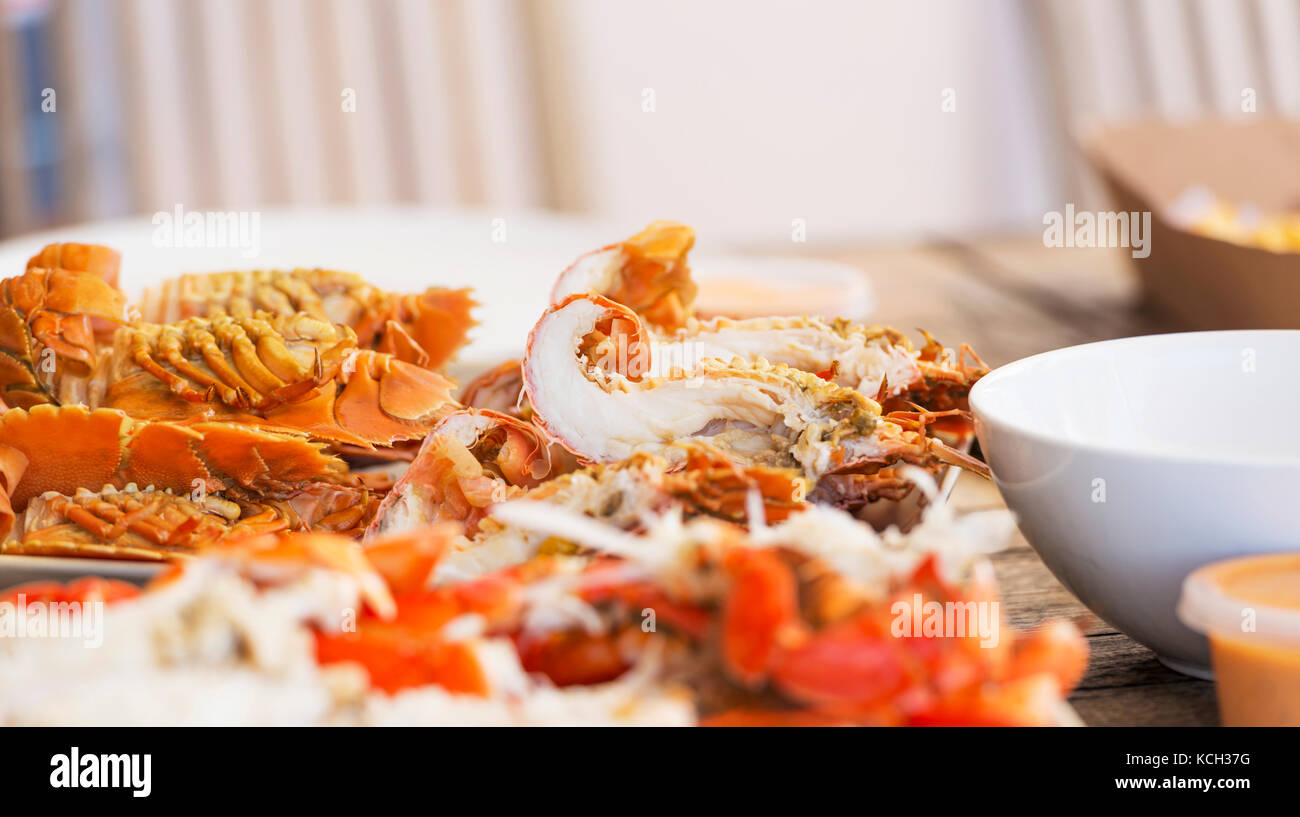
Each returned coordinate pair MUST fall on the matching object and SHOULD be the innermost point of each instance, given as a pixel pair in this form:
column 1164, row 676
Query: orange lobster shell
column 65, row 449
column 424, row 329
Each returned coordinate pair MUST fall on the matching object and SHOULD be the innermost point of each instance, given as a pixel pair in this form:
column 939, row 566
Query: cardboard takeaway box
column 1202, row 282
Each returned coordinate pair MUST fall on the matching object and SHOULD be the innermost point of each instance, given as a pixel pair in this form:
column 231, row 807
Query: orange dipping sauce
column 739, row 298
column 1250, row 610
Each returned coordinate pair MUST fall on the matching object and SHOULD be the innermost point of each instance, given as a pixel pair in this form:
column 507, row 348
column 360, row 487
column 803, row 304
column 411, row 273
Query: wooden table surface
column 1009, row 299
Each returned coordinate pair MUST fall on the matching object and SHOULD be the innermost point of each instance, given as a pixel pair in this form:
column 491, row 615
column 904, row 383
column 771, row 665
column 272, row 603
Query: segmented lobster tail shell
column 292, row 371
column 424, row 329
column 70, row 447
column 51, row 322
column 104, row 262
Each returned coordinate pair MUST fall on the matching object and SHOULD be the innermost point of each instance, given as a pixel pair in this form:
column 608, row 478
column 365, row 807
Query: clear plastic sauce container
column 1249, row 608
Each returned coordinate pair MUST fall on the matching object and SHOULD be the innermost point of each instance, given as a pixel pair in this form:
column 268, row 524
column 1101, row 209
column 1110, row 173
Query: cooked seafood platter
column 653, row 516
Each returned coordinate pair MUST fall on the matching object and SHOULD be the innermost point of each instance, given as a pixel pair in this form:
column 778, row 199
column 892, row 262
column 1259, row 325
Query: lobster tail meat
column 877, row 361
column 584, row 373
column 425, row 329
column 647, row 273
column 598, row 389
column 508, row 447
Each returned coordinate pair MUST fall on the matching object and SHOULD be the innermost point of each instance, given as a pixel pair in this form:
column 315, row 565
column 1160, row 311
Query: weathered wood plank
column 1031, row 595
column 1190, row 704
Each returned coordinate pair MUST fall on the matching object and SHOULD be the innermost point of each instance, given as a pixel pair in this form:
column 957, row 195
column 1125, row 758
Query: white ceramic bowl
column 1130, row 463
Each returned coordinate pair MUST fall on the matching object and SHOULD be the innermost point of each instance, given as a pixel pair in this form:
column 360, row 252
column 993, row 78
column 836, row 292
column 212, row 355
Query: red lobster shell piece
column 71, row 447
column 471, row 460
column 647, row 273
column 946, row 378
column 295, row 372
column 772, row 631
column 425, row 329
column 104, row 262
column 839, row 660
column 51, row 322
column 761, row 633
column 584, row 376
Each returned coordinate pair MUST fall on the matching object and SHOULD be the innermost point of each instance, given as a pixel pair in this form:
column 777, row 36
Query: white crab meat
column 756, row 412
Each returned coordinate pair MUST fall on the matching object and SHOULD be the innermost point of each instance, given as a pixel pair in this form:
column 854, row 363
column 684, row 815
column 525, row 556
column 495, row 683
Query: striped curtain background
column 233, row 103
column 240, row 103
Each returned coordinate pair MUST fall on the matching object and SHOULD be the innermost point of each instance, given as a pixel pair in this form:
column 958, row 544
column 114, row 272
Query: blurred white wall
column 769, row 111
